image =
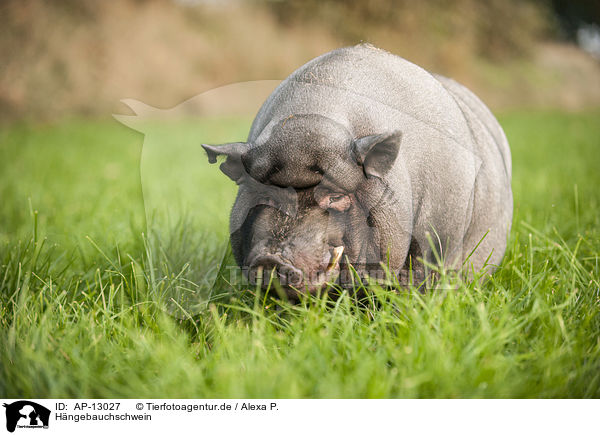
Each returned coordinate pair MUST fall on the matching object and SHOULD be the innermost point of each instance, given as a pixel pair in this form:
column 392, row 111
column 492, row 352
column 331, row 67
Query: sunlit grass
column 85, row 291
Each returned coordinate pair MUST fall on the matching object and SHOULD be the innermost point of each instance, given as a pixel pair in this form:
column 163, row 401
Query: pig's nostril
column 264, row 268
column 292, row 277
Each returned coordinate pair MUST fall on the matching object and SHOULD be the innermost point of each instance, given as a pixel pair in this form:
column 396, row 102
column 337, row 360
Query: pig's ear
column 232, row 167
column 377, row 152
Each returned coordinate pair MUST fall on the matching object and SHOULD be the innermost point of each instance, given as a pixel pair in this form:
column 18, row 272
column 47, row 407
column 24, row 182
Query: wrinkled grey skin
column 362, row 149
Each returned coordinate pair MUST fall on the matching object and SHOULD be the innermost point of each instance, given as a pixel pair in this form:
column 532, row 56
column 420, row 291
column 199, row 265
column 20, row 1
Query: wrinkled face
column 301, row 233
column 304, row 210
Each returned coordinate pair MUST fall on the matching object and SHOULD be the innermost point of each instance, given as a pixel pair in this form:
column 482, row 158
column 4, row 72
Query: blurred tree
column 572, row 14
column 496, row 29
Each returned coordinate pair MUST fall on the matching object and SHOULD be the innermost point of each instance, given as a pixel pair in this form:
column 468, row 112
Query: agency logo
column 26, row 414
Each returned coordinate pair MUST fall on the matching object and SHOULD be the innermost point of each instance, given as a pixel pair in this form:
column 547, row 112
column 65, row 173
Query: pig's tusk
column 337, row 254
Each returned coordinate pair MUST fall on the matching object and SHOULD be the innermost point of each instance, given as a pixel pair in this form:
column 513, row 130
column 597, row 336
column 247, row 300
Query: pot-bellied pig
column 362, row 158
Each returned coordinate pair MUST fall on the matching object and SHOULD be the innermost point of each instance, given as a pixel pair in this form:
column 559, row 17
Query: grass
column 85, row 308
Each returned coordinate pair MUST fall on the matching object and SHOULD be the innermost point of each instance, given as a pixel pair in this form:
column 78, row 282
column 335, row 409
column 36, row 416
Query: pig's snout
column 262, row 268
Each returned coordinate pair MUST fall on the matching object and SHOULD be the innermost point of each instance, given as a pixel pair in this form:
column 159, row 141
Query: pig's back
column 364, row 88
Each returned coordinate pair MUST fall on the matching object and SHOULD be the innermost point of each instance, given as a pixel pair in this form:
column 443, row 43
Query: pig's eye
column 336, row 202
column 268, row 202
column 316, row 169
